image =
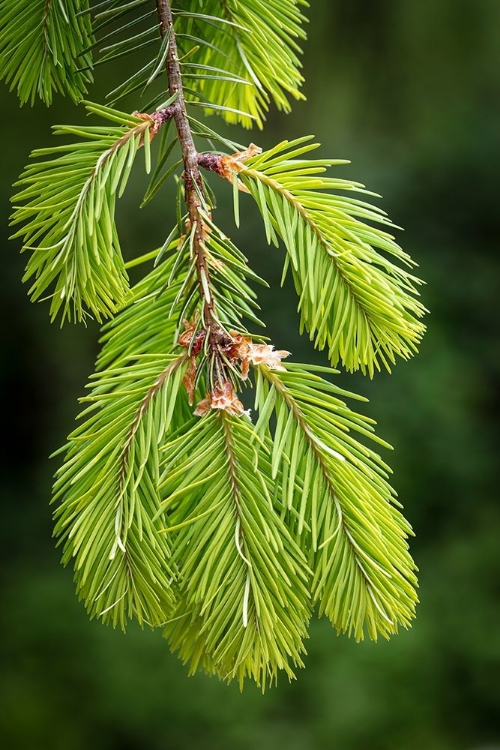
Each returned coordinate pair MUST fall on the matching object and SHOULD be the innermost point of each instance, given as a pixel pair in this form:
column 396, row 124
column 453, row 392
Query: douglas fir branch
column 177, row 505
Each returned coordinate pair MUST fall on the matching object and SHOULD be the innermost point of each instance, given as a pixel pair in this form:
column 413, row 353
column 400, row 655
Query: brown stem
column 192, row 181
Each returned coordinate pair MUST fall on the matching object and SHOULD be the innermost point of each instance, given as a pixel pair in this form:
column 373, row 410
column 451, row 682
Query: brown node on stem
column 192, row 339
column 222, row 397
column 237, row 349
column 230, row 165
column 242, row 348
column 157, row 119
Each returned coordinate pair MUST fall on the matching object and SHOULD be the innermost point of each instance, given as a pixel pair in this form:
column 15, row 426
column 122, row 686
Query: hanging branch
column 176, row 505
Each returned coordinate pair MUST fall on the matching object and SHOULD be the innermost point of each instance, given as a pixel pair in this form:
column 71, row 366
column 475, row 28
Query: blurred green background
column 409, row 90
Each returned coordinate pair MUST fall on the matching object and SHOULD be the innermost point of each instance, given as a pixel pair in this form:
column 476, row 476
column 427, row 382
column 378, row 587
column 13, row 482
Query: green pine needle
column 43, row 47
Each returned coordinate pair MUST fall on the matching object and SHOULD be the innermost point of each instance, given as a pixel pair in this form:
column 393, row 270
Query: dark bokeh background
column 410, row 91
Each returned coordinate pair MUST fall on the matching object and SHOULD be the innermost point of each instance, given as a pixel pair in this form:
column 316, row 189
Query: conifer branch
column 356, row 296
column 66, row 208
column 344, row 506
column 108, row 517
column 250, row 56
column 43, row 46
column 243, row 604
column 175, row 508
